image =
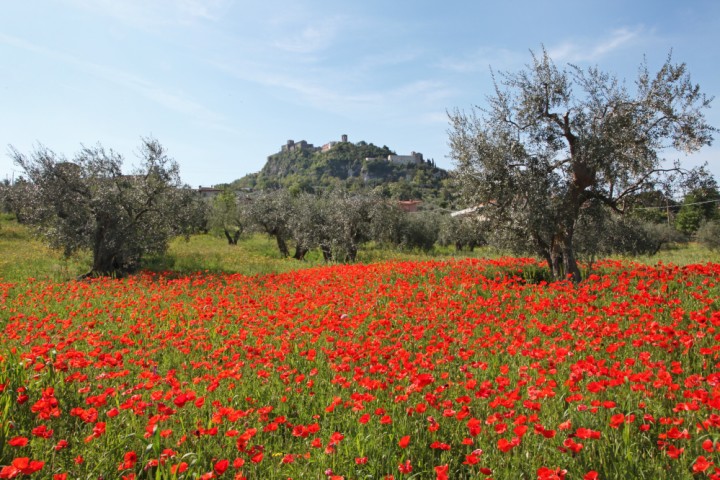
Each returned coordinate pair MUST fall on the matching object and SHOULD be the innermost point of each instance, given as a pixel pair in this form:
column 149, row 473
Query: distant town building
column 292, row 146
column 415, row 158
column 328, row 146
column 208, row 192
column 242, row 194
column 409, row 206
column 331, row 144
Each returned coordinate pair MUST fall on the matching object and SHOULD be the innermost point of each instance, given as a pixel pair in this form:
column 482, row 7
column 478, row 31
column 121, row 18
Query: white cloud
column 579, row 51
column 434, row 118
column 340, row 93
column 501, row 59
column 481, row 60
column 312, row 38
column 305, row 34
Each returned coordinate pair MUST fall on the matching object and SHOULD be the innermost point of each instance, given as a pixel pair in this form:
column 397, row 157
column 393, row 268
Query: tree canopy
column 554, row 145
column 90, row 203
column 226, row 214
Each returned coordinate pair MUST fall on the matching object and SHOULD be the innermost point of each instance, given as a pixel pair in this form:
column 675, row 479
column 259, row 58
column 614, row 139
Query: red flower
column 572, row 445
column 179, row 468
column 545, row 473
column 21, row 465
column 617, row 420
column 441, row 472
column 221, row 466
column 475, row 426
column 42, row 431
column 587, row 433
column 404, row 441
column 129, row 461
column 505, row 446
column 18, row 442
column 674, row 452
column 701, row 464
column 336, row 438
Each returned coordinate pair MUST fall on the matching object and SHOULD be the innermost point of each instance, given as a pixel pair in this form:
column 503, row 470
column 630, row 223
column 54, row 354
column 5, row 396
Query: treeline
column 336, row 222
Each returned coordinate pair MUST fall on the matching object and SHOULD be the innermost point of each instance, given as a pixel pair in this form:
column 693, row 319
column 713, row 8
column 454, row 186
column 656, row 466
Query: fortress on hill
column 292, row 146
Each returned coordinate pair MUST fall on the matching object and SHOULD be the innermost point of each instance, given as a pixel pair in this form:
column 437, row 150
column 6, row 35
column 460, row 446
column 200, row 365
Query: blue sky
column 222, row 83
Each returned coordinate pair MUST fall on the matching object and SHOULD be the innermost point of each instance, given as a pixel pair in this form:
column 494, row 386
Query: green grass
column 23, row 257
column 680, row 255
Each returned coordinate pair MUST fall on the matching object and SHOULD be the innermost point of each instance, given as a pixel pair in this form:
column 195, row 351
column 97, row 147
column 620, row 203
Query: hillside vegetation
column 355, row 167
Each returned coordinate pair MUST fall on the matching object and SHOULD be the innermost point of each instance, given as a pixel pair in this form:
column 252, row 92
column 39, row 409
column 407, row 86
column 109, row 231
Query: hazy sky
column 222, row 84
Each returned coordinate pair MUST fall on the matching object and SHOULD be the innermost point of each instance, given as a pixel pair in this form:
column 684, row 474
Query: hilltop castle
column 415, row 158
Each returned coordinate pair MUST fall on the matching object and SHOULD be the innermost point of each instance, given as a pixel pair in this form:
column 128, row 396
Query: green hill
column 354, row 166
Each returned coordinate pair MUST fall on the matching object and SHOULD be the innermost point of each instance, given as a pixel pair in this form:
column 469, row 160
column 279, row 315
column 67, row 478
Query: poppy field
column 457, row 369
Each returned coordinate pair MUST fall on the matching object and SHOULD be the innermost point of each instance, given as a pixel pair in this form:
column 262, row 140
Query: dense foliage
column 226, row 213
column 336, row 222
column 709, row 235
column 700, row 202
column 435, row 370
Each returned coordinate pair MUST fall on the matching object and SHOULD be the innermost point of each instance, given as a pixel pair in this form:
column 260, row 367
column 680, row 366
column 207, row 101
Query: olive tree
column 552, row 140
column 270, row 213
column 226, row 214
column 462, row 231
column 419, row 231
column 348, row 224
column 90, row 203
column 308, row 224
column 709, row 235
column 337, row 222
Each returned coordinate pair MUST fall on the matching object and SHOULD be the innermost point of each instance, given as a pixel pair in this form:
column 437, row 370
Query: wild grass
column 22, row 256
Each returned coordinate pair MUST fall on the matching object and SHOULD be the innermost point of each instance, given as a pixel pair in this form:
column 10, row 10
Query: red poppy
column 18, row 442
column 220, row 466
column 441, row 472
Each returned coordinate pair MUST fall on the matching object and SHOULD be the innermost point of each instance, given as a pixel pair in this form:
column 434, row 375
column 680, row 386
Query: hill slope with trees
column 354, row 167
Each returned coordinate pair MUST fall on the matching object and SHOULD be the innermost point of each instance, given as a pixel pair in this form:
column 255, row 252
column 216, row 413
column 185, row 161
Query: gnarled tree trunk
column 282, row 246
column 300, row 252
column 232, row 238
